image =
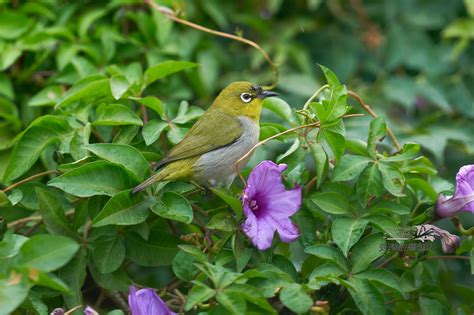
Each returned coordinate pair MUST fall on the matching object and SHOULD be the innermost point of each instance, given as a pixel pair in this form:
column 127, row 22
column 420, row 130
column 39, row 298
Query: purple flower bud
column 268, row 206
column 146, row 301
column 463, row 199
column 57, row 311
column 90, row 311
column 449, row 243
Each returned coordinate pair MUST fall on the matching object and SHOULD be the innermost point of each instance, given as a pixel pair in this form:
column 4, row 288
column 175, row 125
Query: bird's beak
column 265, row 94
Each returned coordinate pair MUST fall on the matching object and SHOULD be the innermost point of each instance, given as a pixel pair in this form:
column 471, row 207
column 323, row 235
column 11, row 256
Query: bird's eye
column 246, row 97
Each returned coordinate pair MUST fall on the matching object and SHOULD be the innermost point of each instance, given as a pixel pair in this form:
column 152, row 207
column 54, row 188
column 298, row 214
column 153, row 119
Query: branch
column 21, row 182
column 249, row 152
column 369, row 110
column 171, row 15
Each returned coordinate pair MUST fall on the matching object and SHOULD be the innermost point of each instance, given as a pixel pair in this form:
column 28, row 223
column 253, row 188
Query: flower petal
column 266, row 177
column 287, row 230
column 285, row 204
column 465, row 185
column 146, row 301
column 259, row 231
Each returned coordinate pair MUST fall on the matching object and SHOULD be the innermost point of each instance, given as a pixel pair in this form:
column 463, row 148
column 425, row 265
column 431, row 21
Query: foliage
column 92, row 94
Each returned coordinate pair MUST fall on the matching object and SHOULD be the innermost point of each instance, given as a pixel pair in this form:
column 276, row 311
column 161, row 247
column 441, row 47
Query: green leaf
column 349, row 167
column 183, row 266
column 11, row 295
column 431, row 306
column 329, row 253
column 377, row 131
column 13, row 24
column 331, row 77
column 232, row 301
column 331, row 202
column 279, row 107
column 368, row 299
column 322, row 162
column 11, row 244
column 53, row 214
column 49, row 280
column 108, row 253
column 232, row 201
column 382, row 276
column 151, row 102
column 95, row 178
column 295, row 298
column 199, row 293
column 48, row 96
column 392, row 179
column 118, row 86
column 166, row 68
column 471, row 259
column 86, row 90
column 366, row 251
column 116, row 115
column 408, row 152
column 241, row 253
column 222, row 221
column 335, row 141
column 158, row 250
column 127, row 156
column 369, row 185
column 252, row 295
column 46, row 252
column 152, row 130
column 347, row 231
column 173, row 206
column 124, row 209
column 33, row 141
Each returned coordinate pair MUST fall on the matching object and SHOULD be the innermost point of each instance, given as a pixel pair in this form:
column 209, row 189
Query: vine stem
column 369, row 110
column 168, row 13
column 305, row 106
column 28, row 219
column 21, row 182
column 249, row 152
column 448, row 257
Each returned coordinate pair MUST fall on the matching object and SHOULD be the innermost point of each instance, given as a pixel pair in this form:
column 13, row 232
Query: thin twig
column 171, row 15
column 249, row 152
column 325, row 86
column 457, row 223
column 28, row 219
column 21, row 182
column 85, row 233
column 384, row 263
column 144, row 114
column 369, row 110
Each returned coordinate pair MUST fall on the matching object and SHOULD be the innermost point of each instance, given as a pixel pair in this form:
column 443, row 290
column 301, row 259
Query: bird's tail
column 150, row 181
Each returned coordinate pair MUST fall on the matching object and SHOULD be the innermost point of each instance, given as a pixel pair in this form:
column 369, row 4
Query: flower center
column 253, row 205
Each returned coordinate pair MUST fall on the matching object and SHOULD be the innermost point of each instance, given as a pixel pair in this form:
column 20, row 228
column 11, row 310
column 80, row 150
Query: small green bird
column 225, row 132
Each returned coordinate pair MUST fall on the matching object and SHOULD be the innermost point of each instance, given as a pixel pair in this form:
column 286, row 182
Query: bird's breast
column 218, row 166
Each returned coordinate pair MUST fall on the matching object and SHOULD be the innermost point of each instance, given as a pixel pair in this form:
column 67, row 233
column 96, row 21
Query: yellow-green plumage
column 223, row 134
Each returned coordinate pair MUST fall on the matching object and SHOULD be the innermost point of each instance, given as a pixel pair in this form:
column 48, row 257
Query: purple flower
column 146, row 301
column 90, row 311
column 268, row 205
column 463, row 199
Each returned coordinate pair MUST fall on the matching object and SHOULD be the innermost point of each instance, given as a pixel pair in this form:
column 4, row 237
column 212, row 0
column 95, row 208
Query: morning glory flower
column 463, row 199
column 146, row 301
column 449, row 242
column 268, row 206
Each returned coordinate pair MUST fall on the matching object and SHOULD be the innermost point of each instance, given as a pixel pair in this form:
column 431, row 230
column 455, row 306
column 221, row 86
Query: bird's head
column 242, row 99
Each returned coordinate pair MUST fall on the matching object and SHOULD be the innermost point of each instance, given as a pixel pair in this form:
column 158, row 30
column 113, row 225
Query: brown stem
column 144, row 114
column 386, row 262
column 21, row 182
column 28, row 219
column 171, row 15
column 85, row 233
column 98, row 136
column 369, row 110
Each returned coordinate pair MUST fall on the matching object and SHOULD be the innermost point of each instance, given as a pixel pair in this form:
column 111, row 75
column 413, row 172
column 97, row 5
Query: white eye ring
column 246, row 97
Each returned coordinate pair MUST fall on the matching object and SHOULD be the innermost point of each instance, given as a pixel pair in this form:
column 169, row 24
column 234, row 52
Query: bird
column 208, row 153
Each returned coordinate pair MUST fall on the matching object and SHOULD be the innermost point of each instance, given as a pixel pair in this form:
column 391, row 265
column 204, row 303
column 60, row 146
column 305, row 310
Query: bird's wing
column 212, row 131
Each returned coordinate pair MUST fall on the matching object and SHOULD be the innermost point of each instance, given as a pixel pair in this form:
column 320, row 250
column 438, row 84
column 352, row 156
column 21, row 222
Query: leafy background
column 76, row 77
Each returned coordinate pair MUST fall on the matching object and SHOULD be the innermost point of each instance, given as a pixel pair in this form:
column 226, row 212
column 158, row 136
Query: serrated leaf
column 95, row 178
column 124, row 209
